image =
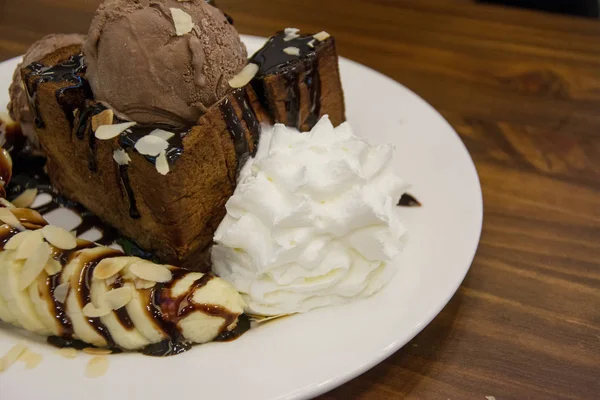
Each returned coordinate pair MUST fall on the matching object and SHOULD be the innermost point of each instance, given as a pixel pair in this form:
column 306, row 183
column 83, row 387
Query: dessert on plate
column 159, row 130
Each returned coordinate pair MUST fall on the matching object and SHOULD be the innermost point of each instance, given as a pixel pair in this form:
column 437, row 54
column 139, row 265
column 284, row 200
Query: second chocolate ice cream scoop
column 161, row 61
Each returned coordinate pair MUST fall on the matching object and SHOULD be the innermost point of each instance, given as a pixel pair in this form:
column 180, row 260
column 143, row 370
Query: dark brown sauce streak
column 124, row 175
column 83, row 127
column 271, row 59
column 67, row 71
column 249, row 117
column 234, row 125
column 168, row 311
column 122, row 314
column 408, row 200
column 84, row 286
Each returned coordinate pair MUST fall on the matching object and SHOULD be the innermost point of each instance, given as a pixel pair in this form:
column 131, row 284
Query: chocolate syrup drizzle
column 238, row 134
column 271, row 59
column 70, row 70
column 80, row 117
column 408, row 200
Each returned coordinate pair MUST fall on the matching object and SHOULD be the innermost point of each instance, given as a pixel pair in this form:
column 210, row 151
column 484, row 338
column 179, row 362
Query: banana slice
column 104, row 298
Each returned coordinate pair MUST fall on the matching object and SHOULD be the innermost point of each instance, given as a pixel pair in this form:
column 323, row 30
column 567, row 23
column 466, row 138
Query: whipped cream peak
column 313, row 221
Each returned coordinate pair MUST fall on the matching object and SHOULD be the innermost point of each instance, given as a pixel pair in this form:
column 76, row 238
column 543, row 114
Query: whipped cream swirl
column 313, row 221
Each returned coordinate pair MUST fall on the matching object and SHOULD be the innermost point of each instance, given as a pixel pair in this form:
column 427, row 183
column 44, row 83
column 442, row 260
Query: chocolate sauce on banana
column 408, row 200
column 84, row 290
column 295, row 70
column 70, row 71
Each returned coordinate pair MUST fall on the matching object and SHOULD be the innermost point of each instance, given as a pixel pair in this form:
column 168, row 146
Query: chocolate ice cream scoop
column 161, row 61
column 18, row 107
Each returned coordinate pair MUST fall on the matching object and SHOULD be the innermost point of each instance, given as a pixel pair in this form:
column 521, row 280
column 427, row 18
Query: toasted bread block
column 173, row 215
column 298, row 89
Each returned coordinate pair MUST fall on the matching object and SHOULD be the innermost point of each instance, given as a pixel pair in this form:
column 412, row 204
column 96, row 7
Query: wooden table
column 523, row 91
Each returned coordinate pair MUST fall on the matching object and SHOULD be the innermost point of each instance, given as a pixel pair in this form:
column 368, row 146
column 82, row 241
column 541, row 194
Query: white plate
column 306, row 355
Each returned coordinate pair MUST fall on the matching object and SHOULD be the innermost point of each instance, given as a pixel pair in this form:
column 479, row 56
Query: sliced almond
column 91, row 311
column 31, row 359
column 61, row 292
column 142, row 284
column 244, row 76
column 162, row 164
column 67, row 352
column 12, row 356
column 104, row 118
column 9, row 218
column 161, row 133
column 121, row 157
column 322, row 36
column 6, row 203
column 182, row 20
column 151, row 272
column 118, row 298
column 292, row 51
column 106, row 132
column 109, row 267
column 97, row 351
column 96, row 367
column 111, row 281
column 59, row 237
column 52, row 267
column 26, row 198
column 291, row 34
column 291, row 31
column 34, row 265
column 150, row 145
column 29, row 244
column 311, row 44
column 16, row 241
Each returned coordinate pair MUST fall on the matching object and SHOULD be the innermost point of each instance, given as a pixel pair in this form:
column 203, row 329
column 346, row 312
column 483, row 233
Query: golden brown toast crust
column 179, row 212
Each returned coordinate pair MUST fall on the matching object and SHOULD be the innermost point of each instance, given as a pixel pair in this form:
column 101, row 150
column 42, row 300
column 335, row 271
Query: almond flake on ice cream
column 182, row 20
column 244, row 76
column 106, row 132
column 151, row 145
column 161, row 133
column 121, row 157
column 52, row 267
column 162, row 164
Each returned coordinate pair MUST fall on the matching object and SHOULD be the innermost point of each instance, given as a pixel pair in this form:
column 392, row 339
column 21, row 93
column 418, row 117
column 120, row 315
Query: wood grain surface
column 523, row 90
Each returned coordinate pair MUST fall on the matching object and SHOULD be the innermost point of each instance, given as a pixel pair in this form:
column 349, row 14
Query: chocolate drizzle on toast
column 71, row 71
column 295, row 70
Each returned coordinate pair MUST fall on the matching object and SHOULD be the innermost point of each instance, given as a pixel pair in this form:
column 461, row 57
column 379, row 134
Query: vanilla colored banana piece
column 55, row 285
